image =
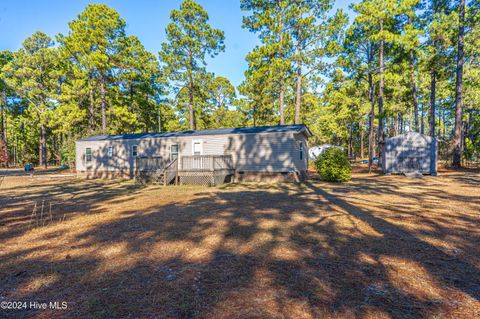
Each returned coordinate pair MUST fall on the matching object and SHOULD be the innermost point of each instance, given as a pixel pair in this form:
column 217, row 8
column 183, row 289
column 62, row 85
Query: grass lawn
column 376, row 247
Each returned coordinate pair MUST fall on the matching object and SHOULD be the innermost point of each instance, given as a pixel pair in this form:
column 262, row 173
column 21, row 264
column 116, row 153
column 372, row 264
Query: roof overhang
column 305, row 130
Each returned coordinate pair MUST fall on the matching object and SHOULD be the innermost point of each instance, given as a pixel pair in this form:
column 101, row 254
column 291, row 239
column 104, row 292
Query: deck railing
column 203, row 169
column 206, row 163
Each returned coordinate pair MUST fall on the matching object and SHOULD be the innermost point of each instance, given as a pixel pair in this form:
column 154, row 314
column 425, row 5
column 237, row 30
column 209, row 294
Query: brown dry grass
column 376, row 247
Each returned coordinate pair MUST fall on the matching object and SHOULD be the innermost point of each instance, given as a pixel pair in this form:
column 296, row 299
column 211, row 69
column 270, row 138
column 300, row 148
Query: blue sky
column 146, row 19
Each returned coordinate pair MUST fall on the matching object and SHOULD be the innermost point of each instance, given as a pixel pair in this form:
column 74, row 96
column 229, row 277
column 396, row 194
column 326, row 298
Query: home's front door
column 174, row 149
column 197, row 150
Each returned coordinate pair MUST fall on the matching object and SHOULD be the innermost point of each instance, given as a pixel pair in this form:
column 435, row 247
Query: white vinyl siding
column 265, row 152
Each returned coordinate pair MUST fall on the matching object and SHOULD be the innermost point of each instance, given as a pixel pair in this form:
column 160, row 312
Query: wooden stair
column 162, row 176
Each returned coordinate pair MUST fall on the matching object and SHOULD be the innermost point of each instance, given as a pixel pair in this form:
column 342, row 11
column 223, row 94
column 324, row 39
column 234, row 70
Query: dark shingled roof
column 222, row 131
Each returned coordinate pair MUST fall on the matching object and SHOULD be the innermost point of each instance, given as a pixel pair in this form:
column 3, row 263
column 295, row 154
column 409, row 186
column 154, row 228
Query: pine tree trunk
column 433, row 85
column 191, row 111
column 457, row 140
column 422, row 121
column 103, row 104
column 42, row 151
column 298, row 93
column 282, row 102
column 414, row 91
column 193, row 124
column 362, row 137
column 371, row 138
column 381, row 135
column 91, row 117
column 282, row 79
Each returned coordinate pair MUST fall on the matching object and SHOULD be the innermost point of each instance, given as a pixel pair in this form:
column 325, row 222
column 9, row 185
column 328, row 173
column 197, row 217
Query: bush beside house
column 333, row 166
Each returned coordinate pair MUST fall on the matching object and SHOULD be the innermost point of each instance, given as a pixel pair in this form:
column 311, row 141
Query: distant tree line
column 400, row 65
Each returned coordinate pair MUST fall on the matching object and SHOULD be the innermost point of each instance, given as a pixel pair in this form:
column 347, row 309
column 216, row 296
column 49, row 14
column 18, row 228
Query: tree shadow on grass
column 35, row 204
column 254, row 250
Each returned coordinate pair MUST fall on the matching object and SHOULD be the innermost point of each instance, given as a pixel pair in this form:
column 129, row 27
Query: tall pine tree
column 190, row 38
column 33, row 74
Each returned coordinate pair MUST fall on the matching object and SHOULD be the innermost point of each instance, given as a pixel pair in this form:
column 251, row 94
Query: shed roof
column 298, row 128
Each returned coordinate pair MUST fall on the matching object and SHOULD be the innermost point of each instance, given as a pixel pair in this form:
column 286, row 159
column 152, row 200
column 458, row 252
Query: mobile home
column 252, row 153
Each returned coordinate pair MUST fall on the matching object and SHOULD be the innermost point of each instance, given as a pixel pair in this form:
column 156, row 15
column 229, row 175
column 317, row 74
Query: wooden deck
column 206, row 169
column 198, row 169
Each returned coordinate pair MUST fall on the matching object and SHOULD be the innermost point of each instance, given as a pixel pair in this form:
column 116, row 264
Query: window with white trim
column 300, row 146
column 134, row 151
column 197, row 148
column 110, row 151
column 88, row 154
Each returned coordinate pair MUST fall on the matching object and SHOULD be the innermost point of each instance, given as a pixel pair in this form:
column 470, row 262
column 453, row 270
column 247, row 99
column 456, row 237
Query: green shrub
column 333, row 166
column 67, row 151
